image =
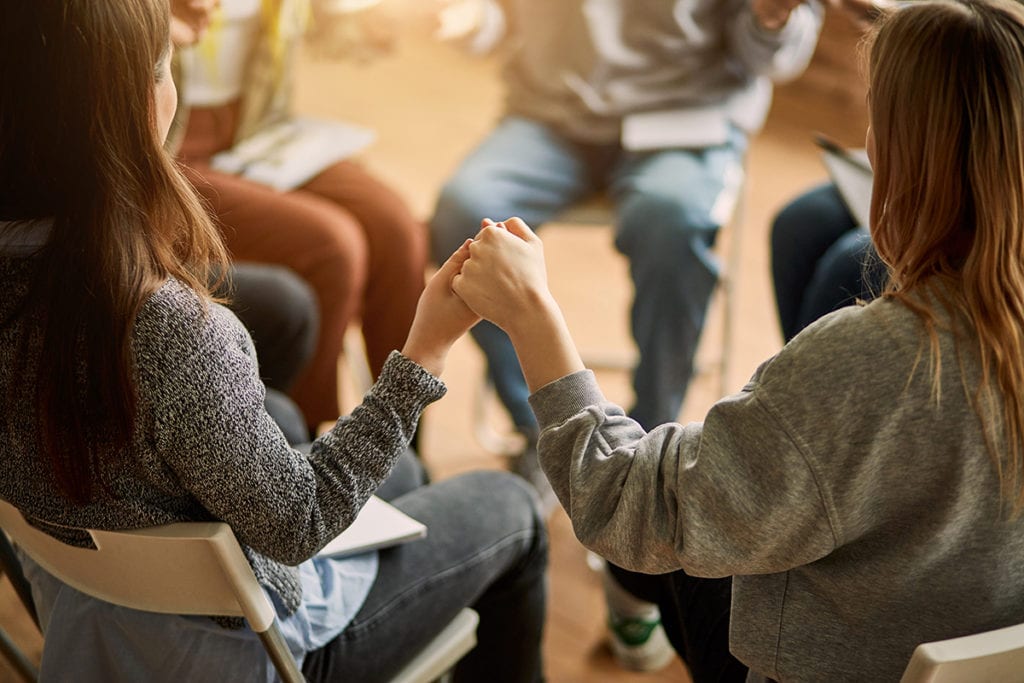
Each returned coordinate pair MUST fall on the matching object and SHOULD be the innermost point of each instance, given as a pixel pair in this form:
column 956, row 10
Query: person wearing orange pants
column 346, row 233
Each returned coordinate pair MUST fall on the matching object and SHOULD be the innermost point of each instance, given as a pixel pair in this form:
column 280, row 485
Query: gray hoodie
column 858, row 515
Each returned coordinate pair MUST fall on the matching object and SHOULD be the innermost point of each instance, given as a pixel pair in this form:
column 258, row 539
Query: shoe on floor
column 527, row 466
column 638, row 643
column 635, row 634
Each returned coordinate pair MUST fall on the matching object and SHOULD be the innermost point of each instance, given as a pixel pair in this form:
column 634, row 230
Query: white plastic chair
column 990, row 657
column 198, row 568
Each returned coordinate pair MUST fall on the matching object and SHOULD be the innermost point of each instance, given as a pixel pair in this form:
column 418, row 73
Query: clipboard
column 378, row 525
column 851, row 172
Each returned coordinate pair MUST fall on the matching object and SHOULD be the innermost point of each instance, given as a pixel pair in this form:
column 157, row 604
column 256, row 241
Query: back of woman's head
column 947, row 116
column 80, row 148
column 76, row 88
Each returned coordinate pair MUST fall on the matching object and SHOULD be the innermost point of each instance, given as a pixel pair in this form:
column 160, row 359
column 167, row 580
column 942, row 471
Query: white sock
column 623, row 604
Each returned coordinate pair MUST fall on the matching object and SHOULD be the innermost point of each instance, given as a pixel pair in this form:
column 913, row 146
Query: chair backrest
column 198, row 568
column 990, row 657
column 187, row 568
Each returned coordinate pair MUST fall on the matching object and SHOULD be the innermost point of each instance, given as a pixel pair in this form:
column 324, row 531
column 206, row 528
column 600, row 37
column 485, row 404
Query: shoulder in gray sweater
column 858, row 515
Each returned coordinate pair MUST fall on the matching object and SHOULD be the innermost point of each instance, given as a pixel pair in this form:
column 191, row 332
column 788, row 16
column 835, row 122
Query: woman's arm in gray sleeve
column 731, row 496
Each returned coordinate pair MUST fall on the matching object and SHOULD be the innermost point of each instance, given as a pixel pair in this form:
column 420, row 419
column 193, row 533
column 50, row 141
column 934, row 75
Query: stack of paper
column 291, row 153
column 378, row 525
column 851, row 172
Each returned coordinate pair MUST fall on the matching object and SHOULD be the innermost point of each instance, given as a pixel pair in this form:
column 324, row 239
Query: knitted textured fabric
column 204, row 447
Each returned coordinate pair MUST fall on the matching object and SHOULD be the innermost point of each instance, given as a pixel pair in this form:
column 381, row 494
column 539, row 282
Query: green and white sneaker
column 635, row 634
column 639, row 644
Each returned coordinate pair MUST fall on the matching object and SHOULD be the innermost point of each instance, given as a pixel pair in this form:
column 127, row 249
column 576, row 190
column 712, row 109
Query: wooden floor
column 430, row 104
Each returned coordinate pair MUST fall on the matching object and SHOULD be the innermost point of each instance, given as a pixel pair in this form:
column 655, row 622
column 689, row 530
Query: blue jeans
column 664, row 202
column 821, row 259
column 486, row 548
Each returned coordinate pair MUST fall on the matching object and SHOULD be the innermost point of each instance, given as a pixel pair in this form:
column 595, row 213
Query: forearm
column 280, row 502
column 777, row 49
column 731, row 496
column 544, row 345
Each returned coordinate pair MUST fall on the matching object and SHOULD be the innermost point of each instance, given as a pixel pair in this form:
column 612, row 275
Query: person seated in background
column 130, row 398
column 651, row 103
column 821, row 259
column 864, row 490
column 344, row 231
column 278, row 309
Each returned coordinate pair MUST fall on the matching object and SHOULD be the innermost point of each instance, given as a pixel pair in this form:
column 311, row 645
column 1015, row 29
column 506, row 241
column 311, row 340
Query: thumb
column 453, row 266
column 520, row 229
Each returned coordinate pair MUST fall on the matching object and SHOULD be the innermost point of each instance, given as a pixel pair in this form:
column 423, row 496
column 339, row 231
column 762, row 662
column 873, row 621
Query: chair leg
column 17, row 659
column 12, row 567
column 280, row 655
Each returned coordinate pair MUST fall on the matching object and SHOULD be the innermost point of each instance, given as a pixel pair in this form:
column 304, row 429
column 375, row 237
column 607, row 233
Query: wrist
column 543, row 313
column 770, row 17
column 430, row 357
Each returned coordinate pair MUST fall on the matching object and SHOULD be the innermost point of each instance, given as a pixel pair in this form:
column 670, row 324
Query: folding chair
column 198, row 568
column 990, row 657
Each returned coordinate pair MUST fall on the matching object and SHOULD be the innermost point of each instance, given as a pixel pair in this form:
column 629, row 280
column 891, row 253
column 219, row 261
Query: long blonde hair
column 79, row 144
column 947, row 115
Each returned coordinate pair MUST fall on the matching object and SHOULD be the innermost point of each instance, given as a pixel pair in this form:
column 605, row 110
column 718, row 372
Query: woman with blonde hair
column 130, row 398
column 864, row 490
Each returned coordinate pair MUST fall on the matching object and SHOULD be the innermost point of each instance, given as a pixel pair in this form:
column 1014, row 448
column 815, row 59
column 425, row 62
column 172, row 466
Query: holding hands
column 441, row 317
column 505, row 279
column 500, row 276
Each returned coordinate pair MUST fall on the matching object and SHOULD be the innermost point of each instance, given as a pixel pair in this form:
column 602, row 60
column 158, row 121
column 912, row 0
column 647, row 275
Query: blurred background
column 430, row 103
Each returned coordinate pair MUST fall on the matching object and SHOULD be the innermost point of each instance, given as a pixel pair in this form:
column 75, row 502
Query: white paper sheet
column 852, row 175
column 691, row 128
column 289, row 154
column 379, row 525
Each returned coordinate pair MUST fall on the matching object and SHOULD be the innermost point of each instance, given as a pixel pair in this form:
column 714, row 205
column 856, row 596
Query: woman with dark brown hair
column 129, row 398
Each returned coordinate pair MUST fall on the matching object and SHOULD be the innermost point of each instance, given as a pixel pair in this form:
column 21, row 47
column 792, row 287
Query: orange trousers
column 347, row 234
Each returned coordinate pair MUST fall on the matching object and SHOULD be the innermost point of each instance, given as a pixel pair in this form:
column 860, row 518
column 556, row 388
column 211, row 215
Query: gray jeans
column 486, row 548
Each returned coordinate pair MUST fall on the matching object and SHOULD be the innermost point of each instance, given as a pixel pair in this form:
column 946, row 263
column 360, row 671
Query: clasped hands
column 499, row 275
column 502, row 275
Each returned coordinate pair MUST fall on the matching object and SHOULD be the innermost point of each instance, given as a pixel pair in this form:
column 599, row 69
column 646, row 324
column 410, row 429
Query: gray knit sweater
column 204, row 447
column 858, row 516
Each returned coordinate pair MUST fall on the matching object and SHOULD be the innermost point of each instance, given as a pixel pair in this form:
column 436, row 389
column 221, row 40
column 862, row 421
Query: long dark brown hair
column 79, row 145
column 947, row 213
